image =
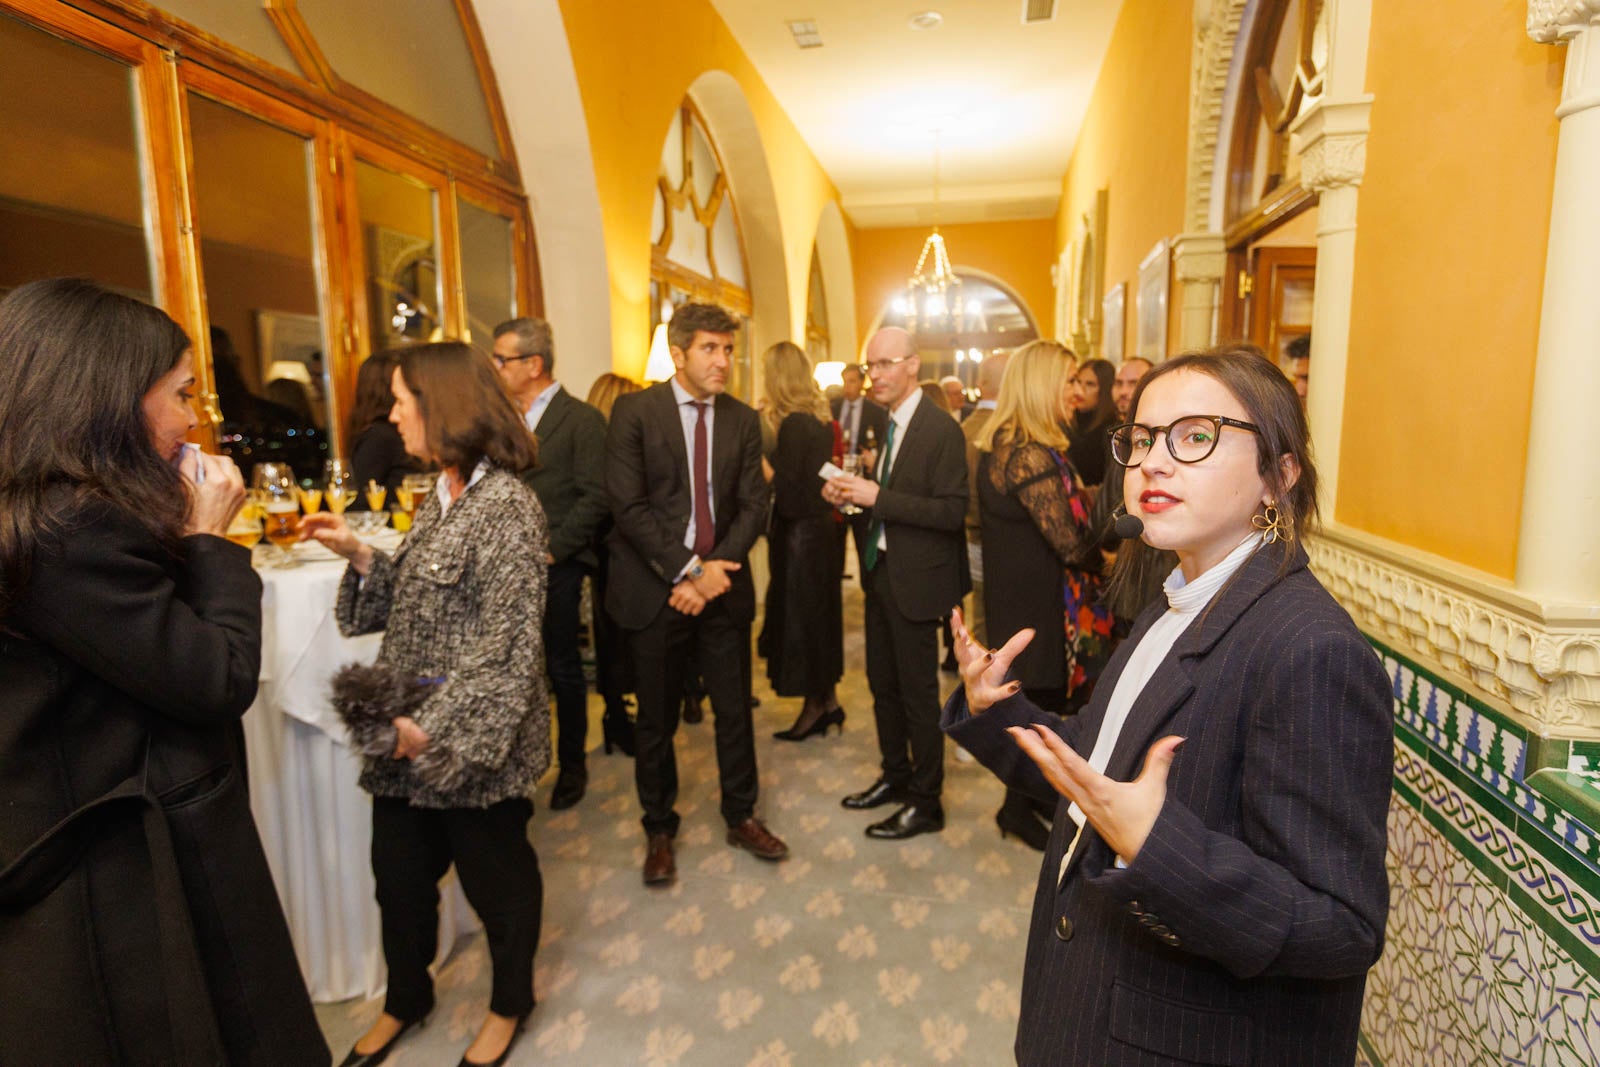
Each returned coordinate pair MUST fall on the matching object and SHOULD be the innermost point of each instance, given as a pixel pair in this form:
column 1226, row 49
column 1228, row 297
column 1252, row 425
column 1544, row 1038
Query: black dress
column 379, row 455
column 804, row 628
column 1090, row 451
column 1030, row 536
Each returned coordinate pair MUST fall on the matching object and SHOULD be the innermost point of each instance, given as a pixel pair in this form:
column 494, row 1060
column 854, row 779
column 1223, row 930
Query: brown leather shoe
column 659, row 868
column 753, row 836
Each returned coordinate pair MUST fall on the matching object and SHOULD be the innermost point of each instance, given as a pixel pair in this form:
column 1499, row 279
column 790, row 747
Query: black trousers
column 612, row 678
column 903, row 673
column 663, row 654
column 856, row 526
column 564, row 662
column 411, row 850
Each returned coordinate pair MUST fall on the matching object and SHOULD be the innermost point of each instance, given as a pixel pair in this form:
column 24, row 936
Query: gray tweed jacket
column 462, row 599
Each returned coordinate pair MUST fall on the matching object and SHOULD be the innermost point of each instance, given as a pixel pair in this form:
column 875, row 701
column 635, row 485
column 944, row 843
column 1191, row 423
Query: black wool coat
column 138, row 920
column 1242, row 931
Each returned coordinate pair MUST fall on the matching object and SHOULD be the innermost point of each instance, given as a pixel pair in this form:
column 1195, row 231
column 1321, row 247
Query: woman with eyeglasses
column 1218, row 902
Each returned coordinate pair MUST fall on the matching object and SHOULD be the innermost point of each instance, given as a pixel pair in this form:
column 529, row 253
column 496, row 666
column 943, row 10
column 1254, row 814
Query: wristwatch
column 696, row 570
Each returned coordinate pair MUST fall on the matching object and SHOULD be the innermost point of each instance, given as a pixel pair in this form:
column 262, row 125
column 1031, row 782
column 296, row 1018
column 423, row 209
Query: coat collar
column 556, row 411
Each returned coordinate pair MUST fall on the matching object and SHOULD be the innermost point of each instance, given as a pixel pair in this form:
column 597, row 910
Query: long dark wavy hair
column 374, row 397
column 76, row 361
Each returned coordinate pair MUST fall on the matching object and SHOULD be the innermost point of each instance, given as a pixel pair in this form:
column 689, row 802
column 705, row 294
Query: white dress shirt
column 540, row 402
column 441, row 488
column 901, row 416
column 1185, row 601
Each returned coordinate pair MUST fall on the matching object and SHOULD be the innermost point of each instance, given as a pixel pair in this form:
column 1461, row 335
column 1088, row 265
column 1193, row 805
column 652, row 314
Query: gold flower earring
column 1274, row 525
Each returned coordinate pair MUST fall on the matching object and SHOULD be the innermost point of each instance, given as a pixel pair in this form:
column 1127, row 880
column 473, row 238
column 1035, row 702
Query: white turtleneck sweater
column 1185, row 601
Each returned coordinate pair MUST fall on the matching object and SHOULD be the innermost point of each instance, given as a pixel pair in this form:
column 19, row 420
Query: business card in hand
column 830, row 471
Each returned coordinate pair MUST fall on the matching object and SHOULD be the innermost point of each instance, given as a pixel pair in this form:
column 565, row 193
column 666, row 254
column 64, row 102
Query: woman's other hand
column 409, row 738
column 983, row 673
column 333, row 533
column 218, row 496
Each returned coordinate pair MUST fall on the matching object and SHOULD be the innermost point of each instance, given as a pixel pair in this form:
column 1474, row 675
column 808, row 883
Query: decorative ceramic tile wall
column 1493, row 950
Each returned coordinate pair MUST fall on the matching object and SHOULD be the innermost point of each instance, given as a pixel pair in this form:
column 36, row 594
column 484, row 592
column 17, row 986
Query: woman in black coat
column 138, row 920
column 376, row 452
column 1219, row 902
column 1095, row 412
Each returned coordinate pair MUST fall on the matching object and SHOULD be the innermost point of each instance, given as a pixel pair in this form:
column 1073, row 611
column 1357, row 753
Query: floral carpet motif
column 853, row 951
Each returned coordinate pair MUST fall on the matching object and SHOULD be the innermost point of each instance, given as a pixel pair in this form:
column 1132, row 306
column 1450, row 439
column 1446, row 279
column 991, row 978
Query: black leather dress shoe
column 570, row 786
column 909, row 821
column 372, row 1059
column 875, row 795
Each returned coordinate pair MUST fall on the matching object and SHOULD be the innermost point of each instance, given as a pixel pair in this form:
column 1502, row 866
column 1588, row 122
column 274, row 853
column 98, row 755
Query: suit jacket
column 873, row 415
column 923, row 508
column 1242, row 931
column 148, row 932
column 569, row 480
column 649, row 484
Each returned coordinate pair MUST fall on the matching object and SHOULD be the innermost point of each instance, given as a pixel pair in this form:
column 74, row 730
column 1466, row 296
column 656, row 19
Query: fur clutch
column 369, row 698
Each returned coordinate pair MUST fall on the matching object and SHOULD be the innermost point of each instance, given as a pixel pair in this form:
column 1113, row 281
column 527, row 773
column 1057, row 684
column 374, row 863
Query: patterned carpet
column 851, row 952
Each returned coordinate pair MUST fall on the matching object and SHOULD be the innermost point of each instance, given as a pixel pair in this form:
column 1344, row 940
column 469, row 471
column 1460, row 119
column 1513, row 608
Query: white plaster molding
column 1550, row 21
column 1332, row 137
column 1199, row 257
column 1216, row 30
column 1540, row 660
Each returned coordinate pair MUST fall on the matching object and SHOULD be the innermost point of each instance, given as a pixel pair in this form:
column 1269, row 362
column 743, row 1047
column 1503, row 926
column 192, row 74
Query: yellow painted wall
column 1134, row 140
column 1019, row 253
column 1450, row 248
column 632, row 73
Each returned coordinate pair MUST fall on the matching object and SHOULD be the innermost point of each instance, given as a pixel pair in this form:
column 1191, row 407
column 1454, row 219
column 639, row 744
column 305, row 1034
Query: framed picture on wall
column 1113, row 313
column 1150, row 337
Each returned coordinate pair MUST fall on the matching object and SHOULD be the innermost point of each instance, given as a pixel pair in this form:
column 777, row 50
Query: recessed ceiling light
column 805, row 33
column 926, row 20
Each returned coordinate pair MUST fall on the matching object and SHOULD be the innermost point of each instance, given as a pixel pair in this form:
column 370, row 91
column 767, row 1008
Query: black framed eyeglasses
column 1189, row 439
column 501, row 361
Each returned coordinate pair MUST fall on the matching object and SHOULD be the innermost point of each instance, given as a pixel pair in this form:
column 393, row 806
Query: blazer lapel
column 553, row 415
column 914, row 430
column 671, row 426
column 723, row 445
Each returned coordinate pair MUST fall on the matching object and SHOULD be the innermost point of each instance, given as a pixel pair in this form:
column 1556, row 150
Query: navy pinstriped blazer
column 1243, row 930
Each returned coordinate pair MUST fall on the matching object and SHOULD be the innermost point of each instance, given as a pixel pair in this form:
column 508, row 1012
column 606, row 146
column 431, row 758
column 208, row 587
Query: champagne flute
column 341, row 485
column 850, row 463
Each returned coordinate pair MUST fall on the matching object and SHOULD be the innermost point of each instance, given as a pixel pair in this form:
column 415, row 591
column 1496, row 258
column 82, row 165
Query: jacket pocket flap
column 441, row 568
column 1187, row 1032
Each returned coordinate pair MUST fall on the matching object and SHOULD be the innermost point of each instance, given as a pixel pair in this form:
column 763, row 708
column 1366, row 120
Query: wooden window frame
column 734, row 297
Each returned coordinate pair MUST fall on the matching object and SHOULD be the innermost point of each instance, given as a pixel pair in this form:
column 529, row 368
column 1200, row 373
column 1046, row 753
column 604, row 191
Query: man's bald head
column 892, row 364
column 990, row 372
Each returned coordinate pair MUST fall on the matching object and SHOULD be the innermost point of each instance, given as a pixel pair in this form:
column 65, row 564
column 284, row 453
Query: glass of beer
column 245, row 529
column 340, row 484
column 280, row 507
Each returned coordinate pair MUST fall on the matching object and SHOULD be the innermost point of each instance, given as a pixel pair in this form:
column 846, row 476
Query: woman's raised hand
column 217, row 497
column 983, row 673
column 333, row 533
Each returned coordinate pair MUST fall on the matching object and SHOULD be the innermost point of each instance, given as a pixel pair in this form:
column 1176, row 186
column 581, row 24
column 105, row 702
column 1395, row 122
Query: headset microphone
column 1127, row 526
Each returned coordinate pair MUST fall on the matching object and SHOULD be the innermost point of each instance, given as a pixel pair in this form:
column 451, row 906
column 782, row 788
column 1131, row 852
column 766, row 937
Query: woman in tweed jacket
column 454, row 720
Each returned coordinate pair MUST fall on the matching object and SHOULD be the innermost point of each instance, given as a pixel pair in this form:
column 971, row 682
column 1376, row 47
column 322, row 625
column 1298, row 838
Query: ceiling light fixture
column 933, row 294
column 805, row 32
column 926, row 20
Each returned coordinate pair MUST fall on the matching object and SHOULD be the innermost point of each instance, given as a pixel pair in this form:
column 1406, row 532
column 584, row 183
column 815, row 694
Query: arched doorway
column 994, row 319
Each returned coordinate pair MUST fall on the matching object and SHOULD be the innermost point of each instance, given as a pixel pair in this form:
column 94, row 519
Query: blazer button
column 434, row 567
column 1064, row 928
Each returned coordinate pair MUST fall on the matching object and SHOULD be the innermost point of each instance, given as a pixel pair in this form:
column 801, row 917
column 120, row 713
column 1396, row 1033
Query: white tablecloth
column 315, row 823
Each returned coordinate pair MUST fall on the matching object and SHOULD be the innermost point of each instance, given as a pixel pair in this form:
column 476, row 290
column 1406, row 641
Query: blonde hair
column 605, row 390
column 1029, row 407
column 789, row 386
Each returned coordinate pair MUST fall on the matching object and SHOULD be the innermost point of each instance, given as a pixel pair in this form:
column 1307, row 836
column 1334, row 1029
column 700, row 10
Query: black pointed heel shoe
column 819, row 725
column 617, row 729
column 374, row 1058
column 505, row 1053
column 1024, row 825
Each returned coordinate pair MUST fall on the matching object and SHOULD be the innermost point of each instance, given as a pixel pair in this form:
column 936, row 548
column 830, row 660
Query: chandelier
column 933, row 294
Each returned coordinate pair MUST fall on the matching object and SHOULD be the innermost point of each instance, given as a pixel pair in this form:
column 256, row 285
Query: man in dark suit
column 567, row 481
column 683, row 471
column 915, row 571
column 862, row 423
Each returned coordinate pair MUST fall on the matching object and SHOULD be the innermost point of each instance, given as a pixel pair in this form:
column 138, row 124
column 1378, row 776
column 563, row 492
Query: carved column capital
column 1199, row 257
column 1550, row 21
column 1333, row 143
